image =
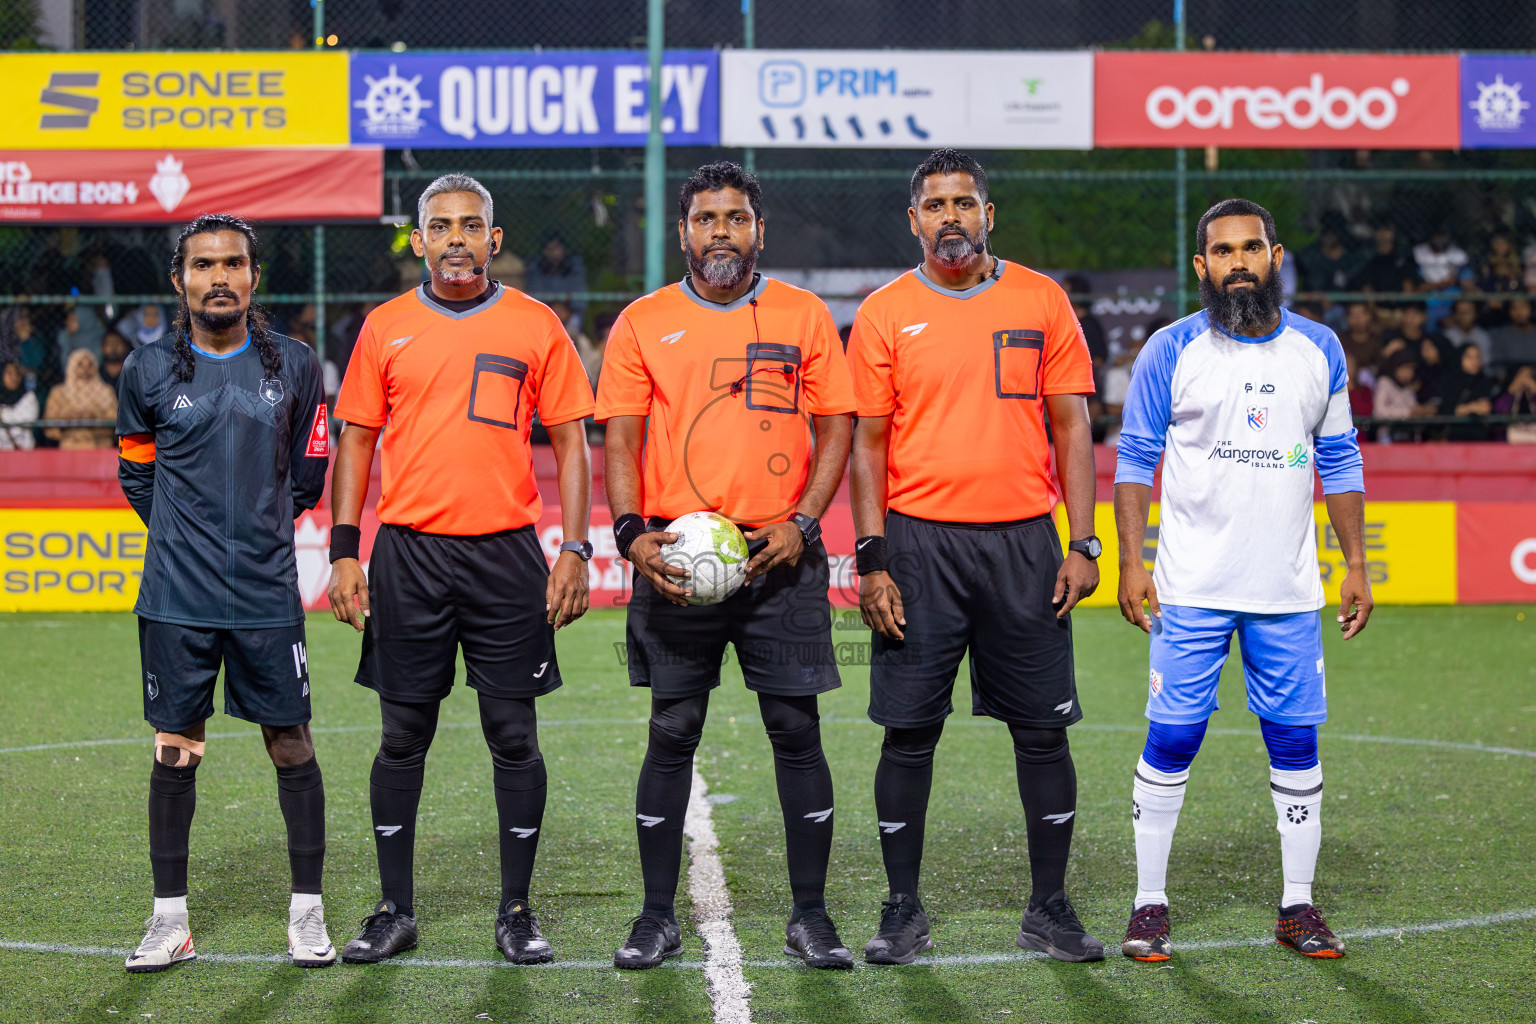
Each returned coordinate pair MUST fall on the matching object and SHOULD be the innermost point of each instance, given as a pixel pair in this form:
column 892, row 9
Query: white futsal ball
column 710, row 547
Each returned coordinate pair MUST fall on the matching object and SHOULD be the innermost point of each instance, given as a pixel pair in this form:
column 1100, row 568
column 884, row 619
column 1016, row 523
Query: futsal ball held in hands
column 710, row 547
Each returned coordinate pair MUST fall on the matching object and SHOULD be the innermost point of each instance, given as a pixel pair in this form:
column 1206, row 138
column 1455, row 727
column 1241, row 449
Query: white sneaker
column 167, row 941
column 308, row 943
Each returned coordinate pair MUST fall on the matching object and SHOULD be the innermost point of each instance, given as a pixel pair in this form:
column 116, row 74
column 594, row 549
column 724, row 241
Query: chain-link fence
column 574, row 218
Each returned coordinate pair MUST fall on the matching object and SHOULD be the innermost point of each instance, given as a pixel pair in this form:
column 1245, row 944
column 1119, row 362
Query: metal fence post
column 1181, row 189
column 655, row 157
column 749, row 42
column 319, row 281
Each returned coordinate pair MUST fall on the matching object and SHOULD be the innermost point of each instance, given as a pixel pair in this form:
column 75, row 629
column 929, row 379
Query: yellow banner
column 184, row 99
column 74, row 560
column 1410, row 551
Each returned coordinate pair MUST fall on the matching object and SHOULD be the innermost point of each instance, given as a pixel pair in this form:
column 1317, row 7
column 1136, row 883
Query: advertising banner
column 906, row 99
column 1496, row 93
column 164, row 186
column 532, row 100
column 1276, row 100
column 198, row 99
column 1497, row 551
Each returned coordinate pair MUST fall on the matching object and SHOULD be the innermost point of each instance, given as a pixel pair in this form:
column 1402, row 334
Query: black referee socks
column 301, row 795
column 511, row 731
column 902, row 783
column 805, row 793
column 661, row 797
column 1048, row 790
column 172, row 800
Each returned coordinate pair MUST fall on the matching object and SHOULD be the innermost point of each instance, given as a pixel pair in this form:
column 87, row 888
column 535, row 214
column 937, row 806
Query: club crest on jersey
column 1155, row 681
column 271, row 391
column 1258, row 416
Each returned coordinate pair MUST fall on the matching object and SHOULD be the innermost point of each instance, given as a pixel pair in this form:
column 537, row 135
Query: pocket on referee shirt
column 496, row 393
column 1017, row 356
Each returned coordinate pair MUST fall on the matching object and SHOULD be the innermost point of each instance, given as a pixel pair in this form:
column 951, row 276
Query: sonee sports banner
column 172, row 186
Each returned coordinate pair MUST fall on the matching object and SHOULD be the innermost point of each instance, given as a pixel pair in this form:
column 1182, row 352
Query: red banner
column 1276, row 100
column 172, row 186
column 1495, row 552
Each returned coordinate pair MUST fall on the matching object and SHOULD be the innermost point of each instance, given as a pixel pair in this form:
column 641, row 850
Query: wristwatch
column 1089, row 548
column 583, row 548
column 810, row 527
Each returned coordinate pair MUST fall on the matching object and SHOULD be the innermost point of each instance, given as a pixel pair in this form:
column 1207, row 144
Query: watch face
column 1095, row 548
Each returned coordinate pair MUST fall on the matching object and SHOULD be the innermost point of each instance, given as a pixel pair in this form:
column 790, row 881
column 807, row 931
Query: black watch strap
column 1089, row 547
column 810, row 526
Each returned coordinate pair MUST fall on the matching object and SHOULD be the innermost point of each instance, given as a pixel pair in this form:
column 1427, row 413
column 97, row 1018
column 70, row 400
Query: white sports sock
column 171, row 906
column 1156, row 798
column 1298, row 797
column 300, row 902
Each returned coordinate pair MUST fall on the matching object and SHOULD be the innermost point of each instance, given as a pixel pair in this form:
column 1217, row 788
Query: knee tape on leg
column 1039, row 746
column 797, row 748
column 910, row 748
column 1172, row 747
column 174, row 750
column 1291, row 747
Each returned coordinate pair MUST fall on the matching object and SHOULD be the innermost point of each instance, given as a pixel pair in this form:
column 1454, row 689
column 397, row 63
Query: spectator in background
column 114, row 349
column 1410, row 336
column 1515, row 342
column 557, row 269
column 1361, row 337
column 1461, row 328
column 1467, row 391
column 18, row 409
column 1519, row 400
column 1078, row 289
column 82, row 328
column 20, row 343
column 1389, row 268
column 1501, row 271
column 1440, row 261
column 82, row 396
column 1397, row 388
column 1329, row 264
column 143, row 325
column 1361, row 400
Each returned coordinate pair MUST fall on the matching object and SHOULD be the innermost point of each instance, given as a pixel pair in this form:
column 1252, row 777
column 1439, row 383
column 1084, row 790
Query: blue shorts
column 1282, row 665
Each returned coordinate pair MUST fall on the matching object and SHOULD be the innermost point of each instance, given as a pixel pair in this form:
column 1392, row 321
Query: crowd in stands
column 1432, row 330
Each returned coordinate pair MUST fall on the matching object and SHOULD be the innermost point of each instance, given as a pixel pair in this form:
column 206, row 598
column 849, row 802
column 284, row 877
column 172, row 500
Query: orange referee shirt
column 729, row 391
column 963, row 376
column 456, row 394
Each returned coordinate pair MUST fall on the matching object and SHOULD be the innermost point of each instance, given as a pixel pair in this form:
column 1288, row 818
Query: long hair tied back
column 256, row 320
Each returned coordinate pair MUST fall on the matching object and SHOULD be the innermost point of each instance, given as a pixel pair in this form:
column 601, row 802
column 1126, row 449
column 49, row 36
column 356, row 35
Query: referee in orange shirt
column 457, row 369
column 956, row 365
column 710, row 389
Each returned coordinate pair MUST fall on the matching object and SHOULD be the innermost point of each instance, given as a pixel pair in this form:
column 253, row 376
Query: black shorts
column 431, row 594
column 981, row 588
column 266, row 674
column 781, row 627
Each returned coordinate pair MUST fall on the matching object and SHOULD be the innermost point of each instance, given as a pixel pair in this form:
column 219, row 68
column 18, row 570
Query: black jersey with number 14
column 219, row 467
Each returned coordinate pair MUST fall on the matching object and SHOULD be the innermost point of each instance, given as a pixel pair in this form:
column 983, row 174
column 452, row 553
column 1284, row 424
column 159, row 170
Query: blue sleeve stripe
column 1148, row 408
column 1340, row 463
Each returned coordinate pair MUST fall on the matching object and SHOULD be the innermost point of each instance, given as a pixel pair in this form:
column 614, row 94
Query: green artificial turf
column 1413, row 834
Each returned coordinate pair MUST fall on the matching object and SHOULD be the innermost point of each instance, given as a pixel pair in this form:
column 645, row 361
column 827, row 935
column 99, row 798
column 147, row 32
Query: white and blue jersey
column 1239, row 423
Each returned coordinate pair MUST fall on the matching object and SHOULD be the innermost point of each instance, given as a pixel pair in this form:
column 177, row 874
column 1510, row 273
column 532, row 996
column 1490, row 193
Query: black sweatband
column 345, row 541
column 869, row 555
column 625, row 529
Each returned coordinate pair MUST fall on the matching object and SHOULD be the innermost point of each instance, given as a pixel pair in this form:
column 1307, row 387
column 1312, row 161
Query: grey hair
column 452, row 183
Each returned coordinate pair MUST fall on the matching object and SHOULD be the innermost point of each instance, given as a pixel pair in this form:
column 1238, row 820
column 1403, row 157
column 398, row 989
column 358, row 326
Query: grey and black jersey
column 237, row 455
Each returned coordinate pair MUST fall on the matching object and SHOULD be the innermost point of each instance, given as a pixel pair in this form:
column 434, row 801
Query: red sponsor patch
column 319, row 434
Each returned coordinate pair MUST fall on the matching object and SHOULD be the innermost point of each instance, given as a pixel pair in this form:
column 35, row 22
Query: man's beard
column 1243, row 310
column 444, row 275
column 955, row 247
column 723, row 274
column 216, row 321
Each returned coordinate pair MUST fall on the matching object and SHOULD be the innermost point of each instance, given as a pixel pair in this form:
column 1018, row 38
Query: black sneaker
column 1053, row 929
column 518, row 935
column 385, row 933
column 1303, row 929
column 903, row 932
column 652, row 938
column 811, row 936
column 1146, row 936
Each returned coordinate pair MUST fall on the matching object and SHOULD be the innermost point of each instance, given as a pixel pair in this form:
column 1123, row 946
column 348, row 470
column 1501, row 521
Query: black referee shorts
column 431, row 594
column 266, row 674
column 780, row 626
column 982, row 588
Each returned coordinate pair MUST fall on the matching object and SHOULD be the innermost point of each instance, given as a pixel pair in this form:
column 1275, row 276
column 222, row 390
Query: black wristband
column 625, row 529
column 869, row 555
column 345, row 541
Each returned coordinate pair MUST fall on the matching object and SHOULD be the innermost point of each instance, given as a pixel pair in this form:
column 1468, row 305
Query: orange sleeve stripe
column 137, row 447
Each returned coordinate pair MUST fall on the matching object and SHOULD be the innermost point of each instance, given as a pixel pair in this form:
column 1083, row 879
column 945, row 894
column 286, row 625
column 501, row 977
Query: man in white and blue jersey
column 1241, row 400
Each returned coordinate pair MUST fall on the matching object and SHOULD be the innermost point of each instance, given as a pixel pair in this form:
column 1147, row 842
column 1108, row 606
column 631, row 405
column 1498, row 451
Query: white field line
column 951, row 960
column 728, row 987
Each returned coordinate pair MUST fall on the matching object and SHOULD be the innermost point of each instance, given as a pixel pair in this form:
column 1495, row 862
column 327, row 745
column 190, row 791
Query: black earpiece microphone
column 494, row 250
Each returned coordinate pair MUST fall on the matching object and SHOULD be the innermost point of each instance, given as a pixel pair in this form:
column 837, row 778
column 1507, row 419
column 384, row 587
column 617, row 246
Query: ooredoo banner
column 1497, row 541
column 186, row 99
column 1277, row 100
column 166, row 186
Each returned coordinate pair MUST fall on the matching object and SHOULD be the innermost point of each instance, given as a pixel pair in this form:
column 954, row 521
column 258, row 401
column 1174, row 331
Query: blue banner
column 1497, row 93
column 531, row 100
